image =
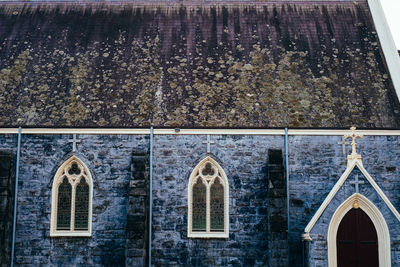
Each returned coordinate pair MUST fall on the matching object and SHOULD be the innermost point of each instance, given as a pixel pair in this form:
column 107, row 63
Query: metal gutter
column 287, row 189
column 150, row 194
column 176, row 131
column 16, row 197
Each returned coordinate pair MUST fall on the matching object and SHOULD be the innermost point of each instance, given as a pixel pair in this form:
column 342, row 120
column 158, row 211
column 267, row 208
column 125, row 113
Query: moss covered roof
column 249, row 65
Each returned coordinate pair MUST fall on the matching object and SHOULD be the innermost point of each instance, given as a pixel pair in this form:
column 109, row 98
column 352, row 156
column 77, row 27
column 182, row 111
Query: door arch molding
column 377, row 219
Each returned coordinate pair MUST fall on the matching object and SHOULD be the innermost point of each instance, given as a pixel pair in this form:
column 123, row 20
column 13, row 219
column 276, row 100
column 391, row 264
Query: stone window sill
column 71, row 234
column 208, row 235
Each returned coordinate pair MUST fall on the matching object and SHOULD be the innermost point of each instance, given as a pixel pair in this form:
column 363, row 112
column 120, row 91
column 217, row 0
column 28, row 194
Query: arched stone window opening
column 71, row 207
column 208, row 201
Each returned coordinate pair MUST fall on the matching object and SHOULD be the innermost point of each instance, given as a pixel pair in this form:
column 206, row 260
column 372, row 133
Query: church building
column 199, row 133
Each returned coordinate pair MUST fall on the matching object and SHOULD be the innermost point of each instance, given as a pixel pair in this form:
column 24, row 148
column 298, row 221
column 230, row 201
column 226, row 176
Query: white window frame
column 224, row 182
column 73, row 180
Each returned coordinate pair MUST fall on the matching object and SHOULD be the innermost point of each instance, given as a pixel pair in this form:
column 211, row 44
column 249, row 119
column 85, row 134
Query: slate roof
column 229, row 65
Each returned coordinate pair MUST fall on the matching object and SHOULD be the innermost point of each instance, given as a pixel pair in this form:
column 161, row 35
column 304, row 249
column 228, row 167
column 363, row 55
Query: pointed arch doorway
column 377, row 220
column 357, row 240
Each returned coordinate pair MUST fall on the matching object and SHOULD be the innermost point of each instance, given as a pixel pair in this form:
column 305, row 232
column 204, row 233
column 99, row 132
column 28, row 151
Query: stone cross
column 209, row 142
column 353, row 136
column 344, row 143
column 74, row 141
column 356, row 182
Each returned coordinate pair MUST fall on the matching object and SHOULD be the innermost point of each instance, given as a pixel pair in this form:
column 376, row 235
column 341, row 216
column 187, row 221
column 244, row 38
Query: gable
column 264, row 65
column 354, row 168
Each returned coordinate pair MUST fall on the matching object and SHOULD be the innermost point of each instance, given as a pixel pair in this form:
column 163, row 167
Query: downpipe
column 287, row 189
column 15, row 198
column 150, row 193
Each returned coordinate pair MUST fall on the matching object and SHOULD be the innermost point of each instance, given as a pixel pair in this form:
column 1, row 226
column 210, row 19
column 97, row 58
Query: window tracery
column 208, row 208
column 72, row 191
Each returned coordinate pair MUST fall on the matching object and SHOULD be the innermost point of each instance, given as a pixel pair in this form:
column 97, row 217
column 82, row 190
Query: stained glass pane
column 199, row 207
column 82, row 205
column 64, row 205
column 217, row 207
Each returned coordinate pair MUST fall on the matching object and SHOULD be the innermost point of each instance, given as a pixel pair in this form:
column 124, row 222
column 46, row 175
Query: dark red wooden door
column 357, row 241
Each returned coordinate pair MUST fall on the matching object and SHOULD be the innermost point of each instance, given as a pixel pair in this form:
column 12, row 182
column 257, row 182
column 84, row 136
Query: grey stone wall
column 318, row 248
column 277, row 210
column 119, row 167
column 245, row 160
column 109, row 159
column 7, row 172
column 6, row 204
column 316, row 163
column 138, row 211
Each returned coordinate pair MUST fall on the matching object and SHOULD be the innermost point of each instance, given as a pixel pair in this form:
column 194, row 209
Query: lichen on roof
column 258, row 65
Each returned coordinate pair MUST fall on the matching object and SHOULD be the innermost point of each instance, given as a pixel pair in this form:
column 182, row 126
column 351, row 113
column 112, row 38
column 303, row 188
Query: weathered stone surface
column 6, row 204
column 245, row 161
column 316, row 163
column 119, row 234
column 109, row 159
column 277, row 210
column 138, row 211
column 261, row 64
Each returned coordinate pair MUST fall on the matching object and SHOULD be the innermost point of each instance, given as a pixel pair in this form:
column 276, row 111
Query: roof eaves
column 387, row 43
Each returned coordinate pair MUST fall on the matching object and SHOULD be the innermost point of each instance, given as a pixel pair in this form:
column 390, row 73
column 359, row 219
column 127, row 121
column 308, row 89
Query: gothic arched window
column 208, row 201
column 71, row 205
